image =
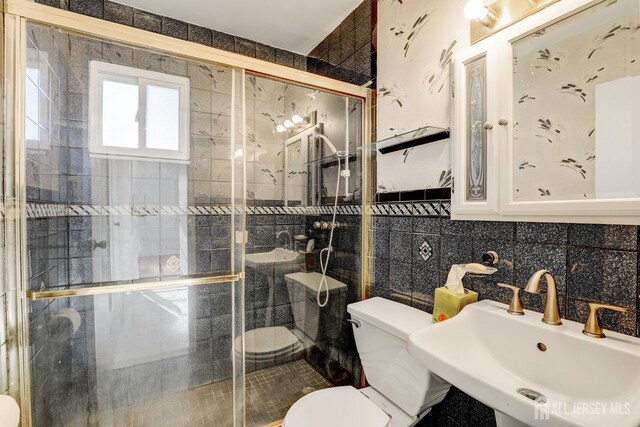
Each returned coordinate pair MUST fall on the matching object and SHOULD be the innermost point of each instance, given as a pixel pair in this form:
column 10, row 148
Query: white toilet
column 401, row 392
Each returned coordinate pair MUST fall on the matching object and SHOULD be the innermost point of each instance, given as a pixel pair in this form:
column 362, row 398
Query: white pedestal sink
column 534, row 374
column 269, row 263
column 276, row 257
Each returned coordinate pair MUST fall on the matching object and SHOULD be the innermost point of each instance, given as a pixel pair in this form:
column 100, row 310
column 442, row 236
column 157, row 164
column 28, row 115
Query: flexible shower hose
column 325, row 264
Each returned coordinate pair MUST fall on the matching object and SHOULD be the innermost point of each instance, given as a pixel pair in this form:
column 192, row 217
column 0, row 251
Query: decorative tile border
column 426, row 208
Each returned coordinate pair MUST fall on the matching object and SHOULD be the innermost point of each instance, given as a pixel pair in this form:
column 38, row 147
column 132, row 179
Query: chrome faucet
column 551, row 308
column 285, row 232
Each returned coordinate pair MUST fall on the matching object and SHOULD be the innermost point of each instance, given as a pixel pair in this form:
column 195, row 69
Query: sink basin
column 276, row 257
column 565, row 378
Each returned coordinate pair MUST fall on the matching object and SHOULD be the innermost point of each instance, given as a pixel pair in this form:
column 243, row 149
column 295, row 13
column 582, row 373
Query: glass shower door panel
column 147, row 217
column 139, row 358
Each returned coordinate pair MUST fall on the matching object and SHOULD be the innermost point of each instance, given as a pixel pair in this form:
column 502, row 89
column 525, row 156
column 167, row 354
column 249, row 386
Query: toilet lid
column 336, row 407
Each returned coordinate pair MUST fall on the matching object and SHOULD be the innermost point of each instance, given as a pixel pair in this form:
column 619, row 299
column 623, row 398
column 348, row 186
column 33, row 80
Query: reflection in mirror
column 576, row 103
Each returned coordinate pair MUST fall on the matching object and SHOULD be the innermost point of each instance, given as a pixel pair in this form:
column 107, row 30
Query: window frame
column 99, row 72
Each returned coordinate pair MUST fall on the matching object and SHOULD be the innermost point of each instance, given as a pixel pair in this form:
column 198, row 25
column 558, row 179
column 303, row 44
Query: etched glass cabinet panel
column 476, row 133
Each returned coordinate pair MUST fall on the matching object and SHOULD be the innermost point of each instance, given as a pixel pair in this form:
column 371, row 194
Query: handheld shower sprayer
column 324, row 263
column 332, row 147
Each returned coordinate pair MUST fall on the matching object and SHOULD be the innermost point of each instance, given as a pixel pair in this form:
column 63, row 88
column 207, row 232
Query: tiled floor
column 270, row 393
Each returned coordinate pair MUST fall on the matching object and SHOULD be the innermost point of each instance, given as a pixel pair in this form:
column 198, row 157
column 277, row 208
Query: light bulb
column 475, row 9
column 288, row 124
column 297, row 119
column 281, row 129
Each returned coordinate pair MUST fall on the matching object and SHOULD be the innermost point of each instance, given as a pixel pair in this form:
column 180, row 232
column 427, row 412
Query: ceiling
column 295, row 25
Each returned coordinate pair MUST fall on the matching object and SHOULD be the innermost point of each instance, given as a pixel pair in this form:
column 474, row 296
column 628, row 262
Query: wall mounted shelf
column 414, row 138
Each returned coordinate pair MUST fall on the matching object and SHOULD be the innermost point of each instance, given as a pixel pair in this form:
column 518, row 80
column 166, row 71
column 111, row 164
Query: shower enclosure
column 160, row 198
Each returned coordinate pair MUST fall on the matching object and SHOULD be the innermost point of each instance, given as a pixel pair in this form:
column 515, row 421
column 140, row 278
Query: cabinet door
column 571, row 79
column 475, row 154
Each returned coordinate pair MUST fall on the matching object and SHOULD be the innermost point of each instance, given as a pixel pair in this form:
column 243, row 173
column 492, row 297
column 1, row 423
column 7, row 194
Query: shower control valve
column 324, row 225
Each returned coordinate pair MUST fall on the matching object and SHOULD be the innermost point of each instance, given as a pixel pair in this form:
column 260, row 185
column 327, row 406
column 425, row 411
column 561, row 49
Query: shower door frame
column 16, row 13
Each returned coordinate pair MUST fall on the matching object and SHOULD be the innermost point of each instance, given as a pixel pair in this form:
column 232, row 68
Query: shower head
column 330, row 145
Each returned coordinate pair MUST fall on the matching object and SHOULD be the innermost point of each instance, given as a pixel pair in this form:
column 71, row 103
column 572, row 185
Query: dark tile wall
column 335, row 354
column 349, row 52
column 351, row 47
column 590, row 262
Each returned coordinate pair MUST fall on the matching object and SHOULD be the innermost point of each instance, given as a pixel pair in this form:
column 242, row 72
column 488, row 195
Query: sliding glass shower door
column 134, row 200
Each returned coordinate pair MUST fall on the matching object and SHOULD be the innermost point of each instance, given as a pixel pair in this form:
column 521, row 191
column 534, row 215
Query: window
column 138, row 113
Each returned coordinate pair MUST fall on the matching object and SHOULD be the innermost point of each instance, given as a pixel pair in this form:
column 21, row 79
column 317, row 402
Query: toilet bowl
column 273, row 345
column 9, row 411
column 402, row 392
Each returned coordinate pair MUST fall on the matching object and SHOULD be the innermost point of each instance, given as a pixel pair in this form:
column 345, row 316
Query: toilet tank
column 309, row 318
column 381, row 339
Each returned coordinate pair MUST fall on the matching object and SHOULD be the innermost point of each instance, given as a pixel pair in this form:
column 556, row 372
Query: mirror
column 576, row 107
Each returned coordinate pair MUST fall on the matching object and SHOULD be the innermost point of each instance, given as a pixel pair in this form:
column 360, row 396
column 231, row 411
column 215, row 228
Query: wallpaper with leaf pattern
column 416, row 42
column 556, row 72
column 269, row 103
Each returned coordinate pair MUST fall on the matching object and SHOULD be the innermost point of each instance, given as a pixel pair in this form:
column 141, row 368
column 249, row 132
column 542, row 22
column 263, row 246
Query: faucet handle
column 515, row 307
column 593, row 327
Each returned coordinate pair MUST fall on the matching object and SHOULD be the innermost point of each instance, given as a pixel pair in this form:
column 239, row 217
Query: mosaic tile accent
column 426, row 209
column 433, row 209
column 425, row 251
column 41, row 210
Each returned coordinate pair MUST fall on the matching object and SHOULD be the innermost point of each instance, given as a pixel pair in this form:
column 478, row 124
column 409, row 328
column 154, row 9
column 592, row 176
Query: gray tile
column 380, row 271
column 400, row 223
column 400, row 280
column 456, row 228
column 426, row 225
column 540, row 232
column 494, row 230
column 284, row 57
column 175, row 28
column 347, row 45
column 224, row 41
column 347, row 24
column 603, row 275
column 362, row 12
column 87, row 7
column 266, row 53
column 299, row 62
column 147, row 21
column 363, row 34
column 455, row 250
column 530, row 258
column 400, row 246
column 202, row 35
column 245, row 47
column 380, row 244
column 425, row 282
column 381, row 222
column 604, row 236
column 119, row 13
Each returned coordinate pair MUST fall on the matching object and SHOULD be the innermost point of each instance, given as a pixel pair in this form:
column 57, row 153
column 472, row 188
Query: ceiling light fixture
column 281, row 129
column 288, row 124
column 476, row 10
column 297, row 119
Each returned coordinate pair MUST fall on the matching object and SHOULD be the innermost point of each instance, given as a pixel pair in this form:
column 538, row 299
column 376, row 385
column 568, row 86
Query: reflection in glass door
column 134, row 192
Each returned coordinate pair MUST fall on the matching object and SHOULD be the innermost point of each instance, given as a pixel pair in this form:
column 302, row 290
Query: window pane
column 163, row 118
column 119, row 111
